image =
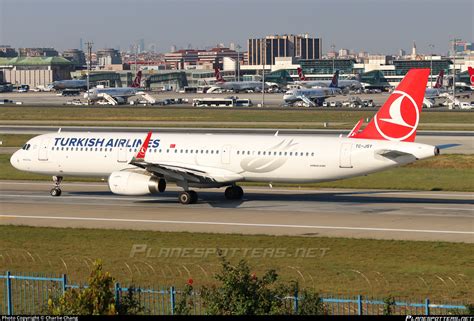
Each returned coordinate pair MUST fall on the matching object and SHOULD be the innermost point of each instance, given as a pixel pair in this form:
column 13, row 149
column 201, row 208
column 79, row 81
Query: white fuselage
column 264, row 158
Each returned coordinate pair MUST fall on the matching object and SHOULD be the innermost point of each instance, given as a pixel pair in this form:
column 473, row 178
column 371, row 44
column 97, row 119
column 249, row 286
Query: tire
column 239, row 192
column 234, row 193
column 185, row 198
column 194, row 197
column 55, row 192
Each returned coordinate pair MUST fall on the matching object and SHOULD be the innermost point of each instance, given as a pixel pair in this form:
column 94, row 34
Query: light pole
column 89, row 62
column 431, row 65
column 333, row 46
column 238, row 62
column 264, row 49
column 454, row 70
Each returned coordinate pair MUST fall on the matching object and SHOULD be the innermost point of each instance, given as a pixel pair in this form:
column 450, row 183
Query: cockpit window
column 26, row 147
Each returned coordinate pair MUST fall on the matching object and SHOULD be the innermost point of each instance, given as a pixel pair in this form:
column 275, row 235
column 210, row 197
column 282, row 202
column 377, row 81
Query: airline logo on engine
column 400, row 120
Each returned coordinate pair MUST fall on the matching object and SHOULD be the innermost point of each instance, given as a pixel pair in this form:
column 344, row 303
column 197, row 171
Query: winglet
column 356, row 128
column 140, row 156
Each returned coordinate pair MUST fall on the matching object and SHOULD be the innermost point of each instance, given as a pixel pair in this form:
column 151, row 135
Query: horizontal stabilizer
column 445, row 146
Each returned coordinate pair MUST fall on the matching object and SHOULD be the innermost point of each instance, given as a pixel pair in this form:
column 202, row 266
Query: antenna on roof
column 59, row 130
column 276, row 134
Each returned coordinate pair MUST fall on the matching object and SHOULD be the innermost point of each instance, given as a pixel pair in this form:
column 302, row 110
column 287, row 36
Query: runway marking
column 100, row 219
column 449, row 208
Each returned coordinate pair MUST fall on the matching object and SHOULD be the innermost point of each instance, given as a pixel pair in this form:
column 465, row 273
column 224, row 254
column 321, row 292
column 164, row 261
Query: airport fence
column 28, row 294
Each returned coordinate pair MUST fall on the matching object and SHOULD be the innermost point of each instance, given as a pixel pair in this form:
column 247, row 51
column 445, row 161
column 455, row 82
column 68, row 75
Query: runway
column 380, row 214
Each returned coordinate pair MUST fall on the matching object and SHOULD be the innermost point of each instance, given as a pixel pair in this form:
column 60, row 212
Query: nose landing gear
column 56, row 190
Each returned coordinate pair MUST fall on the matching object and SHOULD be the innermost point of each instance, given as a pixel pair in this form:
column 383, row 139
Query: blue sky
column 378, row 26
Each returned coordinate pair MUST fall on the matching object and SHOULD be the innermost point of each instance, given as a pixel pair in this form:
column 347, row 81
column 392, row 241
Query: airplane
column 471, row 76
column 431, row 93
column 80, row 84
column 119, row 94
column 311, row 96
column 235, row 86
column 142, row 164
column 335, row 82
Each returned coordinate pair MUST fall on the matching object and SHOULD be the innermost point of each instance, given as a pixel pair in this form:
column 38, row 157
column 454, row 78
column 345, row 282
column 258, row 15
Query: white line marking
column 100, row 219
column 449, row 208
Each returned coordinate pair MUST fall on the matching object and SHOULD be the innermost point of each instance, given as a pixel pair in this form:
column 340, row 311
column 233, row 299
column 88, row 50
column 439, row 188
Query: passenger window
column 258, row 152
column 312, row 154
column 238, row 152
column 167, row 150
column 291, row 153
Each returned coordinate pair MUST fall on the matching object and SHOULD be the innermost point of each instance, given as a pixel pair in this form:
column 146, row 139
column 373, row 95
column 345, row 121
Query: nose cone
column 15, row 160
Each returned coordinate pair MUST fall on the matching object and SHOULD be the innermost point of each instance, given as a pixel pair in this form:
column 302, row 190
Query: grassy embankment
column 113, row 116
column 407, row 269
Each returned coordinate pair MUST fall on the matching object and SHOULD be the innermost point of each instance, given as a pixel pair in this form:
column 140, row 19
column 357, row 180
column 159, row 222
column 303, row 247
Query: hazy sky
column 381, row 26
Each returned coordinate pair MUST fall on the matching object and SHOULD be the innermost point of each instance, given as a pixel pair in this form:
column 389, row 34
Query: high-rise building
column 7, row 51
column 141, row 45
column 75, row 56
column 108, row 57
column 265, row 50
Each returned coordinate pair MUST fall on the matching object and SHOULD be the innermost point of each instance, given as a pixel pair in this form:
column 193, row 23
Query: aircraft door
column 345, row 155
column 43, row 150
column 225, row 154
column 122, row 155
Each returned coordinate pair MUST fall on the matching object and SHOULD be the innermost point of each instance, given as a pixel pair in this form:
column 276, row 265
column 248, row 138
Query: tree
column 96, row 299
column 244, row 293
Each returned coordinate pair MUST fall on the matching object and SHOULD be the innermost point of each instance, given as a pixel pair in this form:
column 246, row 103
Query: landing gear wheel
column 56, row 191
column 189, row 197
column 194, row 197
column 234, row 192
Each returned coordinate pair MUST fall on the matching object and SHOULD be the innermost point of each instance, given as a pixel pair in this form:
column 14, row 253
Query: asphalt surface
column 271, row 99
column 401, row 215
column 465, row 139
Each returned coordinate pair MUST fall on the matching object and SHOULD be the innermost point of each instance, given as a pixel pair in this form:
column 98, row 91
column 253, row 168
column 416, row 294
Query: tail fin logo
column 471, row 73
column 301, row 75
column 401, row 119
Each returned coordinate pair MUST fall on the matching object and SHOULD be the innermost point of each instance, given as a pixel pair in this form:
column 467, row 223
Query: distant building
column 265, row 50
column 76, row 56
column 214, row 57
column 108, row 56
column 38, row 52
column 35, row 71
column 402, row 53
column 8, row 52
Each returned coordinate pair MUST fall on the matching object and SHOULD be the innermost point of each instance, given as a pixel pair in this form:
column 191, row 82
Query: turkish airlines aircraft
column 335, row 82
column 120, row 94
column 471, row 76
column 138, row 164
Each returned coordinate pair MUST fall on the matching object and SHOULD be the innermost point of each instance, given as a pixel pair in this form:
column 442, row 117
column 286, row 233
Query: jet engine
column 132, row 183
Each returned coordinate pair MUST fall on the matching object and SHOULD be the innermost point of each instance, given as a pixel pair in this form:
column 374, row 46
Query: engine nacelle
column 131, row 183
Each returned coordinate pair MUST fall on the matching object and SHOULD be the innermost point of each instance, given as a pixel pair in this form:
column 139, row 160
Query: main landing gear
column 234, row 192
column 188, row 197
column 231, row 193
column 56, row 190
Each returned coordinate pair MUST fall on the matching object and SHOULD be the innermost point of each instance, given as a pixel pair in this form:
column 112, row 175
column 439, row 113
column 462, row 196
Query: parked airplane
column 437, row 89
column 335, row 82
column 471, row 76
column 311, row 96
column 235, row 86
column 119, row 94
column 79, row 84
column 139, row 164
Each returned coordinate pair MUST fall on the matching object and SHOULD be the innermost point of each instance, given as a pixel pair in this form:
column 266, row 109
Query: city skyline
column 380, row 26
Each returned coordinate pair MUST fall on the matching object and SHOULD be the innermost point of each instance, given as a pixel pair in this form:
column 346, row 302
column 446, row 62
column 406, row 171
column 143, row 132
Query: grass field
column 407, row 269
column 442, row 173
column 292, row 118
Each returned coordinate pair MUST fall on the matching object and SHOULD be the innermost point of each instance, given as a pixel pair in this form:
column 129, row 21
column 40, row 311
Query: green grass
column 14, row 140
column 438, row 270
column 115, row 114
column 445, row 172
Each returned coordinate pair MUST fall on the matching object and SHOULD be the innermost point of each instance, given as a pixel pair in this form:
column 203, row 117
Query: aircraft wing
column 183, row 172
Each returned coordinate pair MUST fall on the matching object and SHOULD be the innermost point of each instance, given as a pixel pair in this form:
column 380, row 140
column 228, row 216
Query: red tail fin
column 142, row 151
column 301, row 74
column 439, row 80
column 138, row 80
column 218, row 75
column 471, row 74
column 398, row 118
